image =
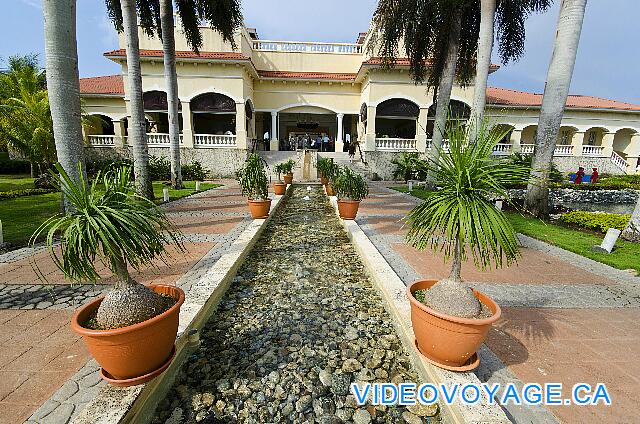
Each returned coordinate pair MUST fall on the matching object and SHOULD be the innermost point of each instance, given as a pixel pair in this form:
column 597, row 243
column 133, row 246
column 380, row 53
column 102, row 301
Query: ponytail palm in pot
column 350, row 188
column 288, row 171
column 280, row 187
column 450, row 320
column 131, row 331
column 255, row 185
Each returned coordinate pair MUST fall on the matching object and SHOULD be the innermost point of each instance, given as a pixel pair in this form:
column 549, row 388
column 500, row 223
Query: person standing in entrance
column 325, row 143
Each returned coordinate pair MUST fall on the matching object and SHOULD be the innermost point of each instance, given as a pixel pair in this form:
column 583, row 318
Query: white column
column 576, row 142
column 241, row 126
column 370, row 136
column 516, row 140
column 607, row 144
column 340, row 136
column 187, row 125
column 274, row 144
column 118, row 131
column 633, row 153
column 421, row 130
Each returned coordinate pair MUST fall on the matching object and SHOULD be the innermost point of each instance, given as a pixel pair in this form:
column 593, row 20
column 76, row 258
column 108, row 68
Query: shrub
column 525, row 161
column 12, row 194
column 323, row 165
column 280, row 169
column 15, row 167
column 596, row 220
column 194, row 171
column 253, row 178
column 159, row 168
column 409, row 166
column 288, row 166
column 350, row 186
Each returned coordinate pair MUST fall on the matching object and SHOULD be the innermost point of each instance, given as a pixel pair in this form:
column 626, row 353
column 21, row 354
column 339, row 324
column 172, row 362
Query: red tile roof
column 503, row 96
column 404, row 61
column 111, row 84
column 307, row 75
column 183, row 54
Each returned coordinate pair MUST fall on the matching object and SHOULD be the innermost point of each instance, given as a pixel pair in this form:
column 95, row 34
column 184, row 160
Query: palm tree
column 63, row 84
column 554, row 100
column 632, row 230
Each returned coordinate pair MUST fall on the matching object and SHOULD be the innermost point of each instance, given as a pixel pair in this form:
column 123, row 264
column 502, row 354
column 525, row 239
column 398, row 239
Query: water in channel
column 300, row 322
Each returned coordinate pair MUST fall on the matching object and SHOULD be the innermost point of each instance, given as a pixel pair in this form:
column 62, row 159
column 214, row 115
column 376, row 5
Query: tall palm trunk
column 63, row 83
column 444, row 93
column 632, row 231
column 485, row 46
column 556, row 91
column 171, row 79
column 137, row 126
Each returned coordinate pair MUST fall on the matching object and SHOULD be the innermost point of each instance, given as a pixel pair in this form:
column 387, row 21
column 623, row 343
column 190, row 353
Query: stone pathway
column 300, row 322
column 44, row 373
column 565, row 318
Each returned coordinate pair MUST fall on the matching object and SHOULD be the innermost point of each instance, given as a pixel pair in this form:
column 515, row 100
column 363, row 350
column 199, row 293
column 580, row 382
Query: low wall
column 567, row 164
column 380, row 166
column 612, row 201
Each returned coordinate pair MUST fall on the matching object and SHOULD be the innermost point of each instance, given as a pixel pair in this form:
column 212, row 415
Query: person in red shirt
column 594, row 176
column 579, row 175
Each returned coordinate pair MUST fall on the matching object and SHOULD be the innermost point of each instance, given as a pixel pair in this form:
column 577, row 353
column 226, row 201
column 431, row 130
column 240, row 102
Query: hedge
column 12, row 194
column 15, row 167
column 596, row 220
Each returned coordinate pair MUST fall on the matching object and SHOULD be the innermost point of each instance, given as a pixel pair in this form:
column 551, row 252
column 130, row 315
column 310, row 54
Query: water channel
column 299, row 324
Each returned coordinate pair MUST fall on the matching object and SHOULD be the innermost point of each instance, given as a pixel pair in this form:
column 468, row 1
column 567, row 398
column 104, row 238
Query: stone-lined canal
column 299, row 324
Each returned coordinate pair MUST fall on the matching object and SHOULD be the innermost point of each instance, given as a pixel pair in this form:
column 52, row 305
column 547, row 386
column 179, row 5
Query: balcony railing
column 444, row 146
column 563, row 150
column 102, row 140
column 307, row 47
column 527, row 149
column 209, row 141
column 619, row 161
column 502, row 149
column 593, row 151
column 396, row 144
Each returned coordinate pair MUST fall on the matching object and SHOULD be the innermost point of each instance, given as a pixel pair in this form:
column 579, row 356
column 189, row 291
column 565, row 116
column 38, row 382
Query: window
column 565, row 137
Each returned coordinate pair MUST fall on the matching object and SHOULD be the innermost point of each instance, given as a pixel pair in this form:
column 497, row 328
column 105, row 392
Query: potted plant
column 350, row 188
column 131, row 331
column 450, row 320
column 332, row 173
column 280, row 187
column 255, row 185
column 323, row 165
column 288, row 171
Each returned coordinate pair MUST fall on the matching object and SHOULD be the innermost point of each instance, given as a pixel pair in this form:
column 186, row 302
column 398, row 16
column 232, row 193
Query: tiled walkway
column 38, row 351
column 560, row 323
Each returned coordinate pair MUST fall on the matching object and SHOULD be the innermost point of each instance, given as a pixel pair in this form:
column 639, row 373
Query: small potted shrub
column 288, row 171
column 131, row 331
column 323, row 166
column 255, row 185
column 350, row 188
column 449, row 319
column 280, row 187
column 332, row 172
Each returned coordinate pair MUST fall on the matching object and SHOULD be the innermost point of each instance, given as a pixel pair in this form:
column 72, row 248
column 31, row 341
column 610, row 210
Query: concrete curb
column 392, row 291
column 137, row 404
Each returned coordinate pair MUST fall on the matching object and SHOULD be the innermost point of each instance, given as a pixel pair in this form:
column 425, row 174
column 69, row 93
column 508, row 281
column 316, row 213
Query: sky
column 608, row 62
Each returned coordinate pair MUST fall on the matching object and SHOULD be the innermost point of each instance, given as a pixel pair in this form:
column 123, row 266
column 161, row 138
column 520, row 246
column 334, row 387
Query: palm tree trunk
column 444, row 94
column 63, row 84
column 456, row 266
column 632, row 231
column 485, row 47
column 137, row 127
column 553, row 103
column 171, row 78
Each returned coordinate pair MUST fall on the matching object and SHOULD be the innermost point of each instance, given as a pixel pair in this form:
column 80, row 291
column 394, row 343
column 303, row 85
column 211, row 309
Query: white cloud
column 33, row 3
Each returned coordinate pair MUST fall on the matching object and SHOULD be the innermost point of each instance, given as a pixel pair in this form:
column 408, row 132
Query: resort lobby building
column 278, row 96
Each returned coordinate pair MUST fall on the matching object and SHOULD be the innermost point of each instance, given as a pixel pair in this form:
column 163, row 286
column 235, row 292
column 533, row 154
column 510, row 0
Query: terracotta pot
column 259, row 208
column 324, row 181
column 445, row 340
column 330, row 190
column 135, row 353
column 279, row 188
column 348, row 208
column 288, row 178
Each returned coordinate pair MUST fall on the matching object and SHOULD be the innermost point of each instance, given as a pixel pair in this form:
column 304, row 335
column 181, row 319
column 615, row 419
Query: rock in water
column 129, row 305
column 453, row 298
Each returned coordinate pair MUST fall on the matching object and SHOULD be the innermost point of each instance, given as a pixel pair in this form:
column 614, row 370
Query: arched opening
column 622, row 141
column 565, row 135
column 307, row 126
column 459, row 113
column 593, row 136
column 214, row 113
column 156, row 110
column 99, row 124
column 397, row 118
column 504, row 131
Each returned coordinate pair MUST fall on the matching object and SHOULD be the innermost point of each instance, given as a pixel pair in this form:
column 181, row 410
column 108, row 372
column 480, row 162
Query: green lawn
column 22, row 216
column 625, row 255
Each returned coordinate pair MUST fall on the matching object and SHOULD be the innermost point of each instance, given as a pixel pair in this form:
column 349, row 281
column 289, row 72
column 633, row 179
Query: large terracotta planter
column 348, row 209
column 447, row 341
column 279, row 188
column 137, row 353
column 324, row 181
column 259, row 208
column 288, row 178
column 330, row 190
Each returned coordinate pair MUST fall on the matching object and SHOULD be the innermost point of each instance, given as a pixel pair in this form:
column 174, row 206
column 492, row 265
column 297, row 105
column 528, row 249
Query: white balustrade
column 619, row 161
column 307, row 47
column 501, row 149
column 593, row 151
column 102, row 140
column 563, row 150
column 396, row 144
column 444, row 146
column 159, row 140
column 213, row 141
column 527, row 149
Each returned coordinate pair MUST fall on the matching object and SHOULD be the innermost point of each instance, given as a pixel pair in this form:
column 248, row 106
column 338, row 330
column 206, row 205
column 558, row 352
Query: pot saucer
column 471, row 364
column 138, row 380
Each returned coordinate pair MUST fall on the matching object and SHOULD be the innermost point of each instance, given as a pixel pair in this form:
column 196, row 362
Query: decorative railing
column 159, row 140
column 444, row 146
column 619, row 161
column 594, row 151
column 396, row 144
column 102, row 140
column 502, row 149
column 307, row 46
column 563, row 150
column 213, row 141
column 527, row 149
